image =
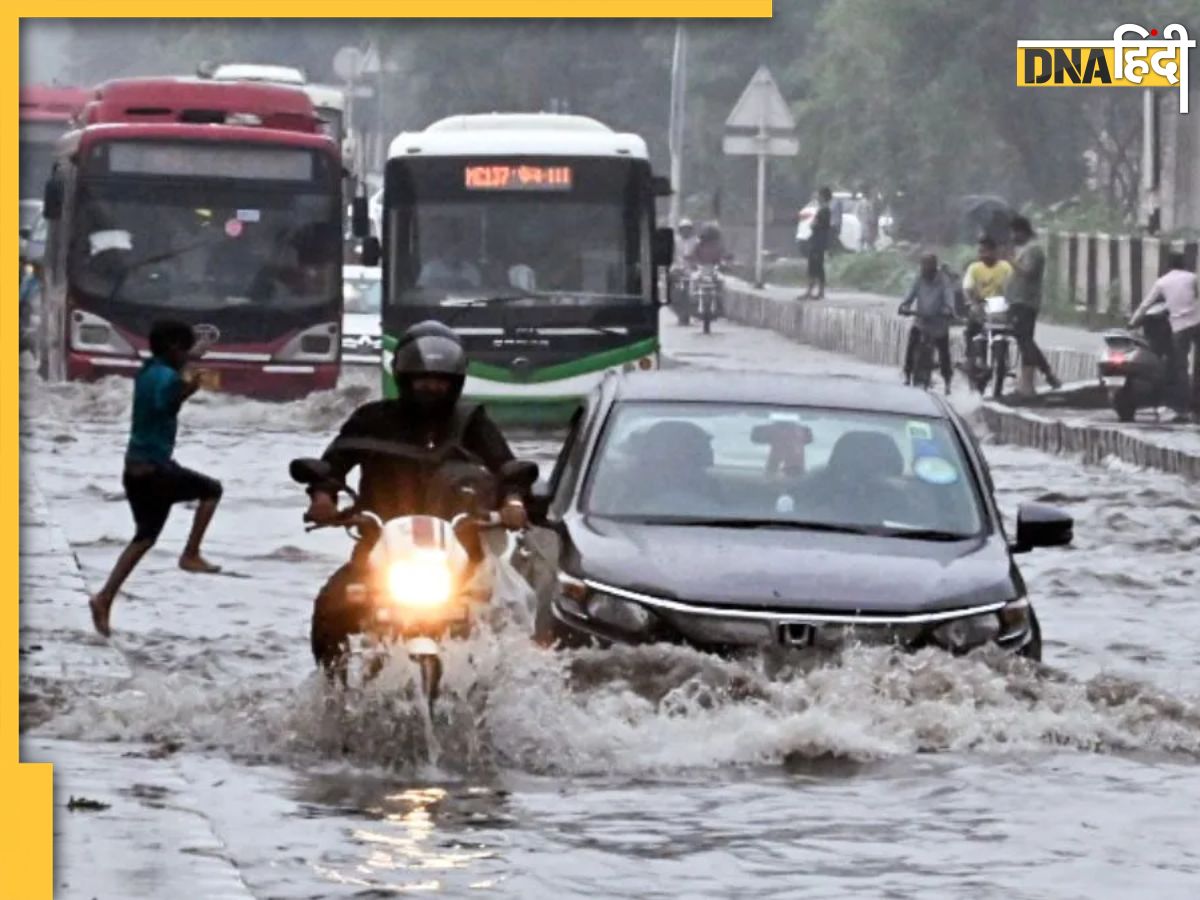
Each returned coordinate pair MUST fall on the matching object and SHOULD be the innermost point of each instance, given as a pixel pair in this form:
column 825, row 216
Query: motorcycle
column 679, row 279
column 1136, row 369
column 922, row 368
column 989, row 354
column 428, row 578
column 707, row 287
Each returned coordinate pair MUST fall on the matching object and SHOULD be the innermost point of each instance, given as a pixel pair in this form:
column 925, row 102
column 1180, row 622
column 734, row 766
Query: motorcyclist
column 933, row 296
column 402, row 446
column 685, row 243
column 986, row 277
column 710, row 251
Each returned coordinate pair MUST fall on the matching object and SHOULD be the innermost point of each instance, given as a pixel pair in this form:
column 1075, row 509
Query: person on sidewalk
column 1178, row 289
column 1024, row 293
column 933, row 295
column 819, row 242
column 153, row 481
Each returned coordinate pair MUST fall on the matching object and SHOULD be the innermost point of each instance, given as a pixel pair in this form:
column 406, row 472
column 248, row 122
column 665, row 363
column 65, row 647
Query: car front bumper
column 731, row 628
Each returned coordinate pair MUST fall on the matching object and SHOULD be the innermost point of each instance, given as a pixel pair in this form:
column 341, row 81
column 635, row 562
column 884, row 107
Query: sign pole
column 760, row 224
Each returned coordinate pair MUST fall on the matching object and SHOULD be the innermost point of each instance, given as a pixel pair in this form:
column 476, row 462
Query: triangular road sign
column 761, row 105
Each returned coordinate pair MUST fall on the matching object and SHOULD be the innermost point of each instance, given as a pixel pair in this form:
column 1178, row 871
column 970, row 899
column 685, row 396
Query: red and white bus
column 216, row 204
column 46, row 114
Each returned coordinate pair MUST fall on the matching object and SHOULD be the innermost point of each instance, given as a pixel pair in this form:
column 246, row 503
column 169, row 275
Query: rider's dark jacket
column 400, row 448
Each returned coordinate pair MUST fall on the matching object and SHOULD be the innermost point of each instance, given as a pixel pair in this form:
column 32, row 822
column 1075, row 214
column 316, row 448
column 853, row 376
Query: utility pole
column 675, row 127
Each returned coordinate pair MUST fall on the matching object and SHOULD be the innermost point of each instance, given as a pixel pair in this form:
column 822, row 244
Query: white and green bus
column 533, row 236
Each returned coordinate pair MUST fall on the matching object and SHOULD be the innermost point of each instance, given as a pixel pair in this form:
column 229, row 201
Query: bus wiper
column 151, row 260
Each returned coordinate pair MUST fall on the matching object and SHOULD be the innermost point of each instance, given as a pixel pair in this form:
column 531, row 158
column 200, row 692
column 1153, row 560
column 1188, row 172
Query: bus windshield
column 575, row 243
column 205, row 244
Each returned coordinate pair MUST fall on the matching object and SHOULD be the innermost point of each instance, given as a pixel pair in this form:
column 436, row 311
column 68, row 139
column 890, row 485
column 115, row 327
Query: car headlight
column 422, row 580
column 624, row 615
column 1015, row 618
column 616, row 612
column 967, row 633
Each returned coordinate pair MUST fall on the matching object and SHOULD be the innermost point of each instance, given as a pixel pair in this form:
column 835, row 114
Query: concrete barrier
column 869, row 334
column 878, row 336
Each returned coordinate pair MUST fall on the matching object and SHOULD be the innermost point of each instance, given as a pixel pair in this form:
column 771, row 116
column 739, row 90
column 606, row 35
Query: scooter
column 1136, row 369
column 428, row 578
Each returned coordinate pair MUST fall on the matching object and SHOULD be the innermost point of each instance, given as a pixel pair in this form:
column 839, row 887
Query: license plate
column 797, row 634
column 209, row 380
column 1114, row 381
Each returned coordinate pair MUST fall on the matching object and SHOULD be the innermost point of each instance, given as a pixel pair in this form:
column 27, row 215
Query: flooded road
column 649, row 772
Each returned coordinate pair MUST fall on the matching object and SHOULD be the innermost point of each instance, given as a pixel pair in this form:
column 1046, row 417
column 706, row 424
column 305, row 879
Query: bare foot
column 198, row 564
column 100, row 608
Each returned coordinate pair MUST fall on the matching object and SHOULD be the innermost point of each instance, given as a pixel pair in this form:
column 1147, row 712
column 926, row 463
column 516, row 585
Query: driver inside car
column 409, row 451
column 671, row 474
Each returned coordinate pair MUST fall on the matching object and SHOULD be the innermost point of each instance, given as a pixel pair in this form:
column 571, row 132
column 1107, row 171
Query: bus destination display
column 518, row 178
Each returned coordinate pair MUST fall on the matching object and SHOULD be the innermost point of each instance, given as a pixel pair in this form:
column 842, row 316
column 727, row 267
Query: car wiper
column 923, row 534
column 764, row 523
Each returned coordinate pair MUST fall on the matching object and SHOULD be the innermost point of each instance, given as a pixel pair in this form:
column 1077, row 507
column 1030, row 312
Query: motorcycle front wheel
column 431, row 677
column 999, row 368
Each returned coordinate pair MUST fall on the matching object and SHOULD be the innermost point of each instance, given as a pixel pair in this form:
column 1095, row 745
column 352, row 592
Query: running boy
column 153, row 481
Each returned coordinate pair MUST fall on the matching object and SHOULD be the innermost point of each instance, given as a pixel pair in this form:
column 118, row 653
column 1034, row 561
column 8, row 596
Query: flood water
column 649, row 772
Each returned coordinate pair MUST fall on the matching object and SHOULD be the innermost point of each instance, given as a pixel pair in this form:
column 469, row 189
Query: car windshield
column 718, row 464
column 363, row 295
column 205, row 245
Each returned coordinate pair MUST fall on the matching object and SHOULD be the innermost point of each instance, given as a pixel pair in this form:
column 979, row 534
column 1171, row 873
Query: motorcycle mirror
column 309, row 471
column 519, row 474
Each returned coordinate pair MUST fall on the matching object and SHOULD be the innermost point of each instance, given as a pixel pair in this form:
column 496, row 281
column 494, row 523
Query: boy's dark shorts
column 153, row 488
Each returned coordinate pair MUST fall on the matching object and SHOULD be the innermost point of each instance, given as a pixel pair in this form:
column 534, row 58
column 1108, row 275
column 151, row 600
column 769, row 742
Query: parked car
column 362, row 342
column 759, row 510
column 851, row 235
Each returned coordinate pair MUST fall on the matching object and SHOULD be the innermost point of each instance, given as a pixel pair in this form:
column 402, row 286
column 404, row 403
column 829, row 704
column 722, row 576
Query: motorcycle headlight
column 422, row 581
column 959, row 635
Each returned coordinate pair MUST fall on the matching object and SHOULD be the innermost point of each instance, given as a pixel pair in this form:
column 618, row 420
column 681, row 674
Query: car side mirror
column 661, row 186
column 26, row 233
column 52, row 200
column 310, row 471
column 664, row 247
column 360, row 217
column 1042, row 526
column 370, row 253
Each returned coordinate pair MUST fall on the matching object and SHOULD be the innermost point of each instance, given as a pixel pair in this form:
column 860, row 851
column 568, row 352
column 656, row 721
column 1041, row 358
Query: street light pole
column 676, row 125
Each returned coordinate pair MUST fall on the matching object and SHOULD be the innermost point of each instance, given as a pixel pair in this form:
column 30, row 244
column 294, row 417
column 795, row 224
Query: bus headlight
column 421, row 581
column 92, row 333
column 319, row 343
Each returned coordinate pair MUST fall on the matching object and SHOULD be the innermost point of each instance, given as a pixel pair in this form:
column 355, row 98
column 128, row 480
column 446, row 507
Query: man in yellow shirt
column 984, row 278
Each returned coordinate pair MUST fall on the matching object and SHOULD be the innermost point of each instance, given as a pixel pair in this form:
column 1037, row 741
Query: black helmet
column 430, row 348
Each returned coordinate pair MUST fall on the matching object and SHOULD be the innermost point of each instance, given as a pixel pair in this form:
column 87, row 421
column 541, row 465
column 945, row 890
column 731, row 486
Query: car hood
column 783, row 569
column 361, row 323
